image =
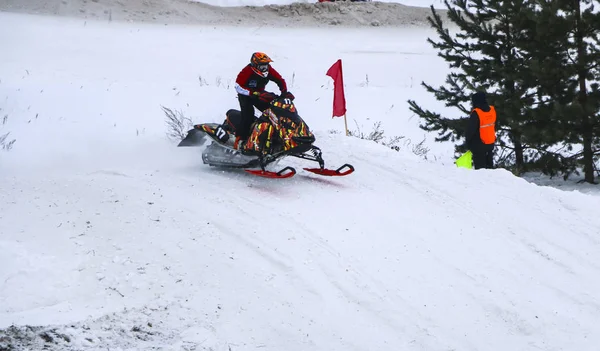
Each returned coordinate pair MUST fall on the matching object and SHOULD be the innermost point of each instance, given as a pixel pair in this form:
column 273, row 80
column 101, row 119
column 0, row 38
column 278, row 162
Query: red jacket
column 248, row 81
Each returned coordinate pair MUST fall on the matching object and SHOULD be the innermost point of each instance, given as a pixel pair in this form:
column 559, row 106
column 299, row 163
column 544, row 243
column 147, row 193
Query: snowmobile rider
column 481, row 131
column 250, row 86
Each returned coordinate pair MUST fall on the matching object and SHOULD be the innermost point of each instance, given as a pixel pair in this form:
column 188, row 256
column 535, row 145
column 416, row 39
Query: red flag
column 339, row 100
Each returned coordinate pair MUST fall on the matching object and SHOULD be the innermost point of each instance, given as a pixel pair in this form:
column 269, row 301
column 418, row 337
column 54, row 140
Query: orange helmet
column 260, row 63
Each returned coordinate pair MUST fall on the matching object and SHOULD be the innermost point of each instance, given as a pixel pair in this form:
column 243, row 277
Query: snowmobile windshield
column 285, row 109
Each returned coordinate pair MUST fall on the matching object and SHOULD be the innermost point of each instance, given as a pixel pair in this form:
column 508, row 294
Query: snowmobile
column 278, row 133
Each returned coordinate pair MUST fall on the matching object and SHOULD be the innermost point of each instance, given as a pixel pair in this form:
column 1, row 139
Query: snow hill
column 258, row 13
column 111, row 238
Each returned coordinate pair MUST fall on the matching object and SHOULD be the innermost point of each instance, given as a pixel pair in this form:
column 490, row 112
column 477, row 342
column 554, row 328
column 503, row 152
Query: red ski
column 287, row 172
column 331, row 172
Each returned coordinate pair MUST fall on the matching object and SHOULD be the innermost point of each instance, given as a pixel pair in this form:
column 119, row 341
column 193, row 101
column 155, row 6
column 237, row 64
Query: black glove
column 287, row 95
column 267, row 96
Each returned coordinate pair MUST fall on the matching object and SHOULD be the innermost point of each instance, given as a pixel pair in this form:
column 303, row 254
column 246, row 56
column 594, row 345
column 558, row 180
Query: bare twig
column 378, row 135
column 177, row 123
column 6, row 144
column 117, row 291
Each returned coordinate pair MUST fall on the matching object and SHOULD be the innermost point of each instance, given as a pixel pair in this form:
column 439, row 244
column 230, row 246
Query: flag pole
column 346, row 124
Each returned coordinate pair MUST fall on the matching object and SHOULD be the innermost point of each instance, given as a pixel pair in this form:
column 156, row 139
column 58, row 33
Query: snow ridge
column 300, row 14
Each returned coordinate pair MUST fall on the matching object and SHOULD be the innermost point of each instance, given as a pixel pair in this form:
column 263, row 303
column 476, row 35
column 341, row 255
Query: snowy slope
column 225, row 3
column 113, row 238
column 247, row 13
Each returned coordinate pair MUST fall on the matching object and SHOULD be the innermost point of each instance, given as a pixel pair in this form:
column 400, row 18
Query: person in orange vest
column 481, row 131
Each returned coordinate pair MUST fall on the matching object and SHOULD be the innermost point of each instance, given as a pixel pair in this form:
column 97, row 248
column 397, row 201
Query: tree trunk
column 588, row 155
column 519, row 158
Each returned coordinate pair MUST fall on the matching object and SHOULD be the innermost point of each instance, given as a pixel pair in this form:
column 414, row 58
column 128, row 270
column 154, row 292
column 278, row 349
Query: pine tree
column 582, row 117
column 564, row 56
column 483, row 55
column 543, row 37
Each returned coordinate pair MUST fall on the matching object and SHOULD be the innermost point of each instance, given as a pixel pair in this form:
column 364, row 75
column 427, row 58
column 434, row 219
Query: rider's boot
column 239, row 143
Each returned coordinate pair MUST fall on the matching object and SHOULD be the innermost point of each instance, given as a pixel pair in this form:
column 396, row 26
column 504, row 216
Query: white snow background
column 112, row 238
